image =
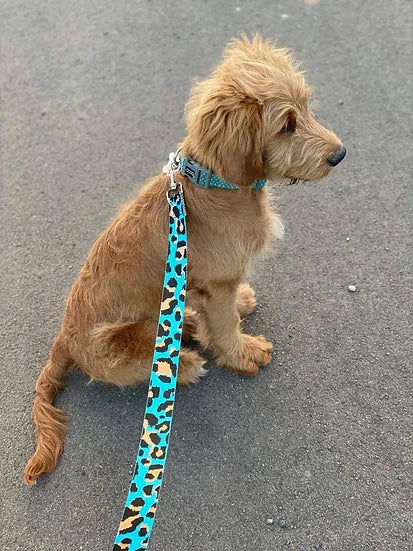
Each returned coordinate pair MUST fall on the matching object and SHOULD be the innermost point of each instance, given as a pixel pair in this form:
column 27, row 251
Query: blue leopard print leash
column 136, row 525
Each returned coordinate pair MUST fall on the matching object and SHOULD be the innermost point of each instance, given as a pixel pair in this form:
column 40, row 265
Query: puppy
column 250, row 119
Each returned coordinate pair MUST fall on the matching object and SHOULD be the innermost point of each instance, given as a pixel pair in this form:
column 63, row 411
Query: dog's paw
column 190, row 367
column 254, row 353
column 246, row 301
column 191, row 321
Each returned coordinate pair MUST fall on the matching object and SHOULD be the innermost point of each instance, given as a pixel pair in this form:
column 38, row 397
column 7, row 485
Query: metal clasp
column 172, row 167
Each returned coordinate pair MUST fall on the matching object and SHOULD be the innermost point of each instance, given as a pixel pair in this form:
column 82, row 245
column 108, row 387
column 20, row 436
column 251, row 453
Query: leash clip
column 172, row 167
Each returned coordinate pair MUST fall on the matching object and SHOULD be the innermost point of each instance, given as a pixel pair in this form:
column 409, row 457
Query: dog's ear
column 288, row 121
column 225, row 132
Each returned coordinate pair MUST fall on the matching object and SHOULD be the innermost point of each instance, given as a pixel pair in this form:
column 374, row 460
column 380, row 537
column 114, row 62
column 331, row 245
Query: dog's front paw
column 254, row 353
column 246, row 301
column 190, row 367
column 191, row 322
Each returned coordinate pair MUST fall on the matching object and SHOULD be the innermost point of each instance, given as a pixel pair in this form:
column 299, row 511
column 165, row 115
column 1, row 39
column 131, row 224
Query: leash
column 138, row 518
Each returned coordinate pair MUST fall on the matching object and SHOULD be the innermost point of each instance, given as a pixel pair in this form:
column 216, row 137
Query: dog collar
column 205, row 178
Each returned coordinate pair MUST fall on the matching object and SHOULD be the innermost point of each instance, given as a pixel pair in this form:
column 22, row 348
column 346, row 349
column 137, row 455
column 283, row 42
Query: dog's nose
column 337, row 157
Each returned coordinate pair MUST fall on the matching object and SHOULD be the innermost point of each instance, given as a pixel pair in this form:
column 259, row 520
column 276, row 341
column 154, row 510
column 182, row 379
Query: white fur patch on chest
column 277, row 227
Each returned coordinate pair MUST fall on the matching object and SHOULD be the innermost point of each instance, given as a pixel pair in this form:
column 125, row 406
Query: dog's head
column 252, row 119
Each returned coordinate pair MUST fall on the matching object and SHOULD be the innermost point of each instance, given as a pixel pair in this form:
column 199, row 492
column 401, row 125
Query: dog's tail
column 49, row 421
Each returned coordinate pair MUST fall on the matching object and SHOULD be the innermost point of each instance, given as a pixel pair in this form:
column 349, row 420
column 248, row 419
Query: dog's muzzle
column 337, row 157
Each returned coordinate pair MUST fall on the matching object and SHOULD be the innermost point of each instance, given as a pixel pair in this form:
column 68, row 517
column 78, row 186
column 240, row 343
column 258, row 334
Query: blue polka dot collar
column 205, row 178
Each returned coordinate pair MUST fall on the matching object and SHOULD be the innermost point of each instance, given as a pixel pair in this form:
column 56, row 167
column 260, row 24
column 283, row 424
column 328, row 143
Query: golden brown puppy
column 250, row 119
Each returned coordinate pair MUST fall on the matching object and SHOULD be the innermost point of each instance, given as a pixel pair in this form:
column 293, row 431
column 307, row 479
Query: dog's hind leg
column 122, row 354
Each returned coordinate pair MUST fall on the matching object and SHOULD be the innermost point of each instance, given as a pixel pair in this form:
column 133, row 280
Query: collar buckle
column 195, row 172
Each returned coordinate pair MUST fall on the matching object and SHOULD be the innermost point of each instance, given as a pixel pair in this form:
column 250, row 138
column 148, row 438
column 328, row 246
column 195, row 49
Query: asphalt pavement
column 315, row 453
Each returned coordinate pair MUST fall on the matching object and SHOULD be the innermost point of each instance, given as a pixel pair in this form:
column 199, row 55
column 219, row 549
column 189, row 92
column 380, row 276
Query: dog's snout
column 337, row 157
